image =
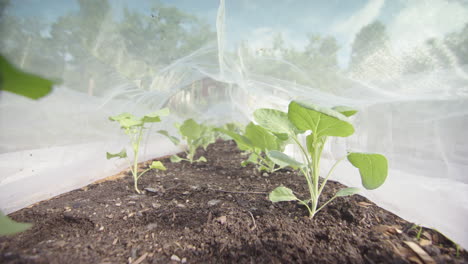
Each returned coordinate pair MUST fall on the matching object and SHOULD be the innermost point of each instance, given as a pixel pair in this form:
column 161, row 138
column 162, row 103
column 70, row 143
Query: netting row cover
column 402, row 64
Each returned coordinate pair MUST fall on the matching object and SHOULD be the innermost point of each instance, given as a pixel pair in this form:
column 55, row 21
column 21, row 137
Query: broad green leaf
column 347, row 191
column 242, row 142
column 190, row 129
column 121, row 117
column 372, row 167
column 22, row 83
column 282, row 194
column 157, row 165
column 128, row 123
column 345, row 110
column 150, row 119
column 234, row 126
column 10, row 227
column 321, row 121
column 126, row 120
column 275, row 121
column 155, row 116
column 122, row 154
column 174, row 140
column 175, row 159
column 283, row 160
column 260, row 137
column 201, row 159
column 281, row 136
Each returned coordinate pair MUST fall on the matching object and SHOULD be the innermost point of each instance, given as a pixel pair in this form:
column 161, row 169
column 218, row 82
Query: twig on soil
column 140, row 259
column 253, row 220
column 239, row 192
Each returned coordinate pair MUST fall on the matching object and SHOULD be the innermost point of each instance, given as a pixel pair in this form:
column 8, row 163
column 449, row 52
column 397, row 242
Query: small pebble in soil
column 175, row 258
column 153, row 191
column 265, row 174
column 213, row 202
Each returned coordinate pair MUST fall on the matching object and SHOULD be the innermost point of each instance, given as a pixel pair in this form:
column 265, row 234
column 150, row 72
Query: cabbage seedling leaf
column 22, row 83
column 345, row 110
column 321, row 121
column 347, row 191
column 157, row 165
column 190, row 129
column 274, row 120
column 201, row 159
column 10, row 227
column 283, row 160
column 174, row 140
column 282, row 194
column 122, row 154
column 260, row 137
column 175, row 158
column 155, row 116
column 242, row 142
column 372, row 167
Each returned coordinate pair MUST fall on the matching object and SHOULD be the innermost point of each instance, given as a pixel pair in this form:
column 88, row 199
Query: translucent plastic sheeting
column 402, row 64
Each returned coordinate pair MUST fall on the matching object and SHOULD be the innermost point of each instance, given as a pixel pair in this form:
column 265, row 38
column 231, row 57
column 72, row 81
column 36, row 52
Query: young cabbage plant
column 322, row 123
column 134, row 127
column 11, row 227
column 196, row 135
column 256, row 141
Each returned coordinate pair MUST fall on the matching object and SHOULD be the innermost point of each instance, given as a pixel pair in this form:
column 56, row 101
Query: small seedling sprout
column 195, row 135
column 256, row 141
column 134, row 128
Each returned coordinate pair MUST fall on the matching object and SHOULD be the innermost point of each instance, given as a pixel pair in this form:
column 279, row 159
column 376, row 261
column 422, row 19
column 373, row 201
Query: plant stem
column 307, row 174
column 333, row 198
column 136, row 150
column 308, row 208
column 328, row 175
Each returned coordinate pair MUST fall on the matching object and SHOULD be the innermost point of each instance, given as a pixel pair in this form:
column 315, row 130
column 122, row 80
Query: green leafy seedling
column 22, row 83
column 322, row 123
column 255, row 141
column 11, row 227
column 134, row 127
column 196, row 135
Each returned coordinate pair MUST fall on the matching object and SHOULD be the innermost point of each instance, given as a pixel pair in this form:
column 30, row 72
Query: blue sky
column 408, row 21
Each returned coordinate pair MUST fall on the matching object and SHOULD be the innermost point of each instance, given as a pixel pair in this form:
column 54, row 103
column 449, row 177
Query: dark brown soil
column 214, row 212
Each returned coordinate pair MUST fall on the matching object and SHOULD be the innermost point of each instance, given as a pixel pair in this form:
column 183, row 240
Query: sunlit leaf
column 175, row 159
column 274, row 120
column 122, row 154
column 283, row 160
column 282, row 194
column 347, row 191
column 242, row 142
column 174, row 140
column 345, row 110
column 201, row 159
column 157, row 165
column 321, row 121
column 372, row 167
column 22, row 83
column 190, row 129
column 155, row 116
column 260, row 137
column 10, row 227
